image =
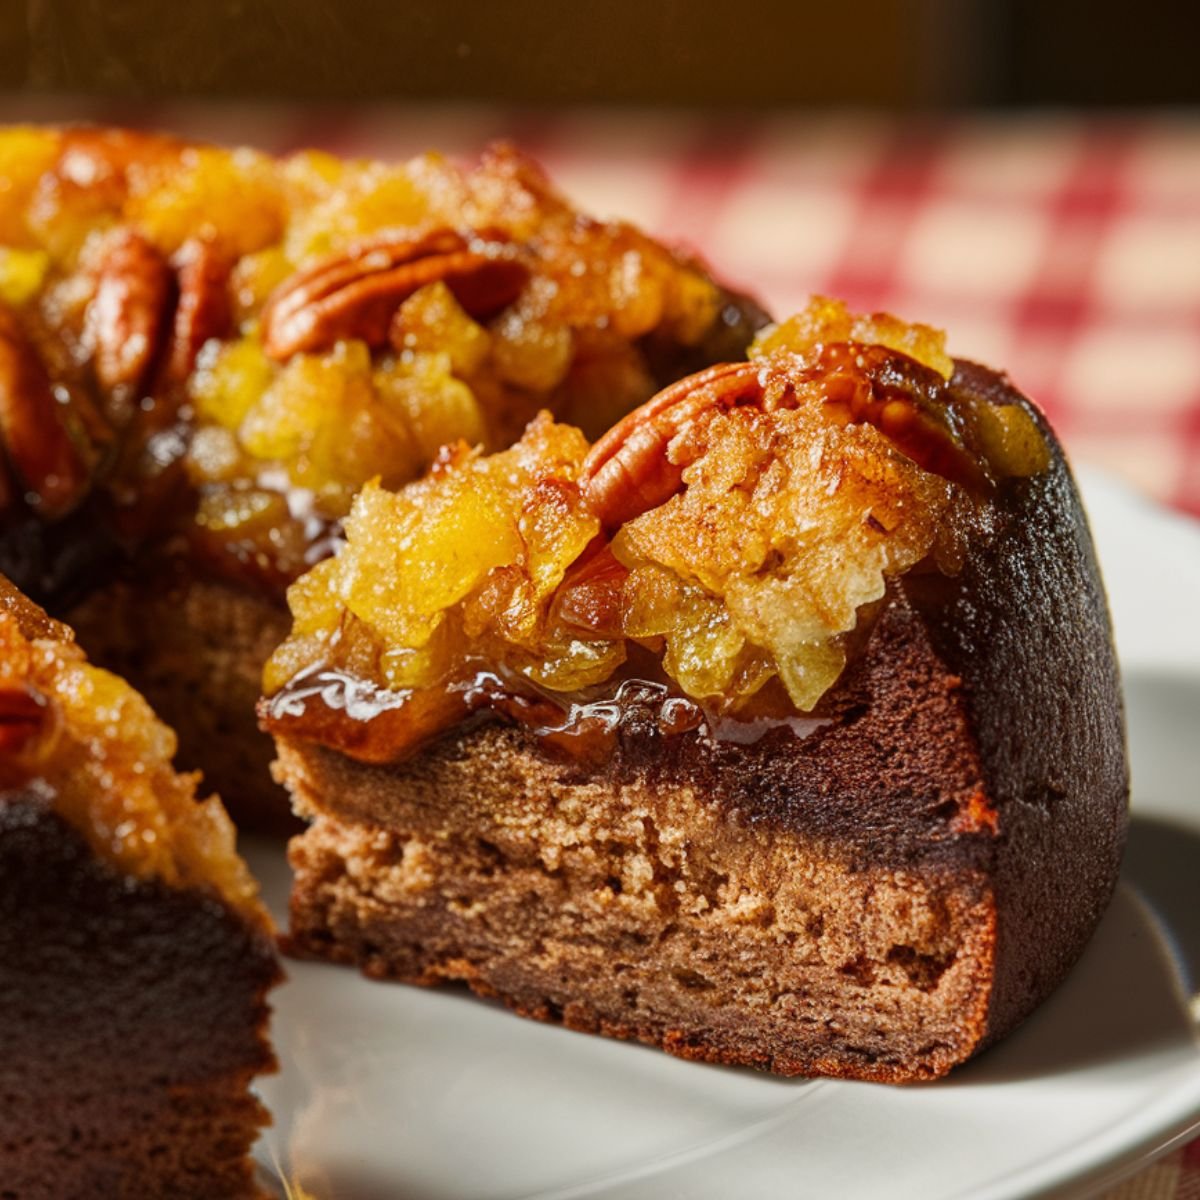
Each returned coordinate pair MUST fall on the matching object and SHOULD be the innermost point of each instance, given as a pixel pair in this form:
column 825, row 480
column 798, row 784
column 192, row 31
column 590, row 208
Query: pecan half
column 356, row 294
column 41, row 455
column 909, row 403
column 203, row 310
column 630, row 469
column 126, row 316
column 29, row 731
column 627, row 472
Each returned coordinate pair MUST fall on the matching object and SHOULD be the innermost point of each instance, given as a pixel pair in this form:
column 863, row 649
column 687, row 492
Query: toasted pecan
column 23, row 716
column 127, row 315
column 356, row 294
column 203, row 311
column 630, row 470
column 627, row 472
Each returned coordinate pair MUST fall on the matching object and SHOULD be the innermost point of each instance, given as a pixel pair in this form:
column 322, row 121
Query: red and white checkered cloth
column 1176, row 1176
column 1065, row 249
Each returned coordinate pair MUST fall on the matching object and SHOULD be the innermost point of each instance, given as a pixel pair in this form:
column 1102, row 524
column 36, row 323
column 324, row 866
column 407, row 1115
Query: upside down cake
column 780, row 726
column 205, row 353
column 759, row 707
column 135, row 956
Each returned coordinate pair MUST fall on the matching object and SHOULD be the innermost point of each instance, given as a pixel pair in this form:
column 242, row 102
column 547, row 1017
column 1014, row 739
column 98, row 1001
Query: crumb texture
column 647, row 912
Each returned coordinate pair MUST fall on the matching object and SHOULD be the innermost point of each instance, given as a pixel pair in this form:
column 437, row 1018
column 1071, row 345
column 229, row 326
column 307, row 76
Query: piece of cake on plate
column 135, row 956
column 779, row 727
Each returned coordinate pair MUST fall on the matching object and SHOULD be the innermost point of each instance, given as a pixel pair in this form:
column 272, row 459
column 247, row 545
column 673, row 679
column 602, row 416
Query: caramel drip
column 377, row 725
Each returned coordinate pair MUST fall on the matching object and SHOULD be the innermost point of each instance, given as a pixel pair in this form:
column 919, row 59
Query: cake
column 779, row 727
column 204, row 354
column 135, row 957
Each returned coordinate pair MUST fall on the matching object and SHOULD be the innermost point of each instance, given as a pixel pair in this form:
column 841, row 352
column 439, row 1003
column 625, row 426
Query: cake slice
column 780, row 727
column 206, row 352
column 135, row 956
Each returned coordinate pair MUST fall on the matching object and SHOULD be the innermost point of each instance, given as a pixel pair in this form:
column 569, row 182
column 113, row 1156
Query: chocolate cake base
column 195, row 648
column 133, row 1022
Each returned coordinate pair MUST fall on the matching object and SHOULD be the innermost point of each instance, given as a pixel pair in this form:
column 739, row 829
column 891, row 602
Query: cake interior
column 195, row 648
column 641, row 911
column 135, row 954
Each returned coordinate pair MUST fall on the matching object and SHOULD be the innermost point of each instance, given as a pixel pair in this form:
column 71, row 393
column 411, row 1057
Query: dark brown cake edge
column 1027, row 628
column 135, row 1019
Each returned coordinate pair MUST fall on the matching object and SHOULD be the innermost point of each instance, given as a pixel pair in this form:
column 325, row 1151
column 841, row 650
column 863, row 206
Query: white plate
column 392, row 1091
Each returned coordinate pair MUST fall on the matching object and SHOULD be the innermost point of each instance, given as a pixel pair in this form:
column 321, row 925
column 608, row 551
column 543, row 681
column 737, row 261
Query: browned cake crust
column 195, row 649
column 1026, row 627
column 134, row 1020
column 879, row 899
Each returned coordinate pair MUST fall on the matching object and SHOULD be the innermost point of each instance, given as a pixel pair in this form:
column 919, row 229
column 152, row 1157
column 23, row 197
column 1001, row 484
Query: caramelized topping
column 273, row 334
column 742, row 527
column 89, row 744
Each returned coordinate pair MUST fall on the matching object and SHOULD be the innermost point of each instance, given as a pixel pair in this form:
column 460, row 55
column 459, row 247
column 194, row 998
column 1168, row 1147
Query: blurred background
column 1024, row 174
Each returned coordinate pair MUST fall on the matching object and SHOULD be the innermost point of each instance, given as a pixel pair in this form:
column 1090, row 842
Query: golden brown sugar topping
column 216, row 343
column 741, row 528
column 87, row 743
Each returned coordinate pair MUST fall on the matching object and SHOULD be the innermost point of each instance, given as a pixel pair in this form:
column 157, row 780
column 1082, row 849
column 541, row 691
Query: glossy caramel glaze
column 374, row 724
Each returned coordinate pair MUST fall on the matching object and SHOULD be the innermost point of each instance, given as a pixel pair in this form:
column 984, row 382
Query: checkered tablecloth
column 1064, row 249
column 1174, row 1177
